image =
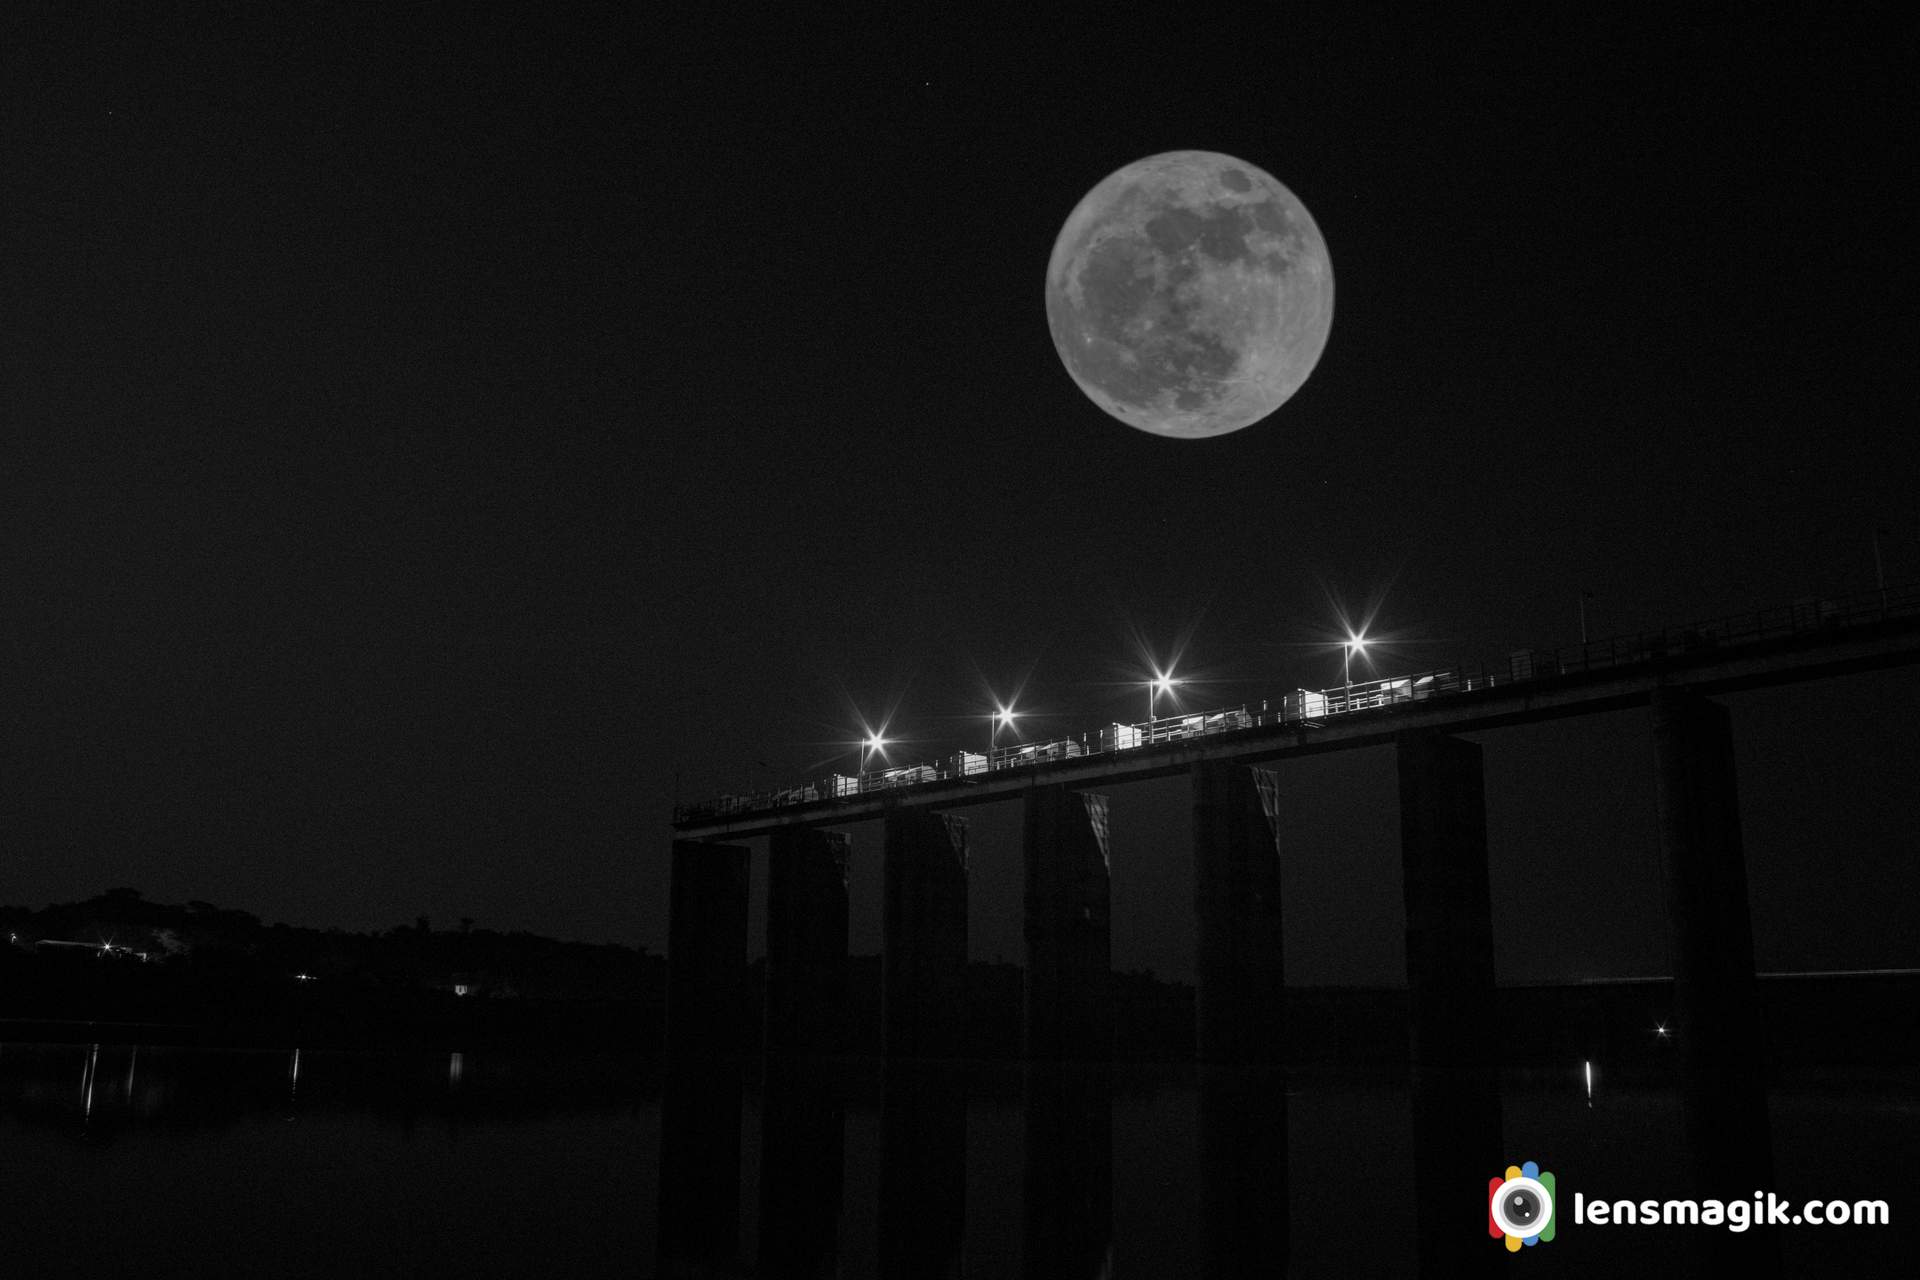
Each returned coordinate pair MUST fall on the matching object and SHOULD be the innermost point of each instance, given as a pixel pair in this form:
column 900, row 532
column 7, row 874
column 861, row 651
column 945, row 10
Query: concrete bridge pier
column 1069, row 993
column 706, row 1031
column 707, row 948
column 1450, row 993
column 923, row 925
column 806, row 940
column 1719, row 1040
column 802, row 1119
column 923, row 1111
column 1239, row 1004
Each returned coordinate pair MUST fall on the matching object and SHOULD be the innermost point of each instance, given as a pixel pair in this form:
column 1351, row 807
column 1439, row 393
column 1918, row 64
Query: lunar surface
column 1190, row 294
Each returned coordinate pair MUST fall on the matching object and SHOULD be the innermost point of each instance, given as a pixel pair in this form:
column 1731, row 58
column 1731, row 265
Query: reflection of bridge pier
column 802, row 1170
column 923, row 1169
column 1068, row 1193
column 706, row 1015
column 1450, row 996
column 1723, row 1087
column 1244, row 1222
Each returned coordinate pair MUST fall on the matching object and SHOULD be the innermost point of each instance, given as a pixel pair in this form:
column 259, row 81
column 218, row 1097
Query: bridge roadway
column 1883, row 645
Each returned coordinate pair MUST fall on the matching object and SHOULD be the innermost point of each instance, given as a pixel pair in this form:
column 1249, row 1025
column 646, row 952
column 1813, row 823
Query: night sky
column 436, row 436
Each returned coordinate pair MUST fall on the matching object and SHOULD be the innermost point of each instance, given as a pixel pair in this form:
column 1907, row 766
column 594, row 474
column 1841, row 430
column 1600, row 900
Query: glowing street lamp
column 874, row 745
column 1161, row 683
column 1355, row 644
column 1002, row 719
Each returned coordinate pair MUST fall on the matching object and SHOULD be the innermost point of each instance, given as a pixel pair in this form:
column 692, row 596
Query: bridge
column 1236, row 758
column 1787, row 645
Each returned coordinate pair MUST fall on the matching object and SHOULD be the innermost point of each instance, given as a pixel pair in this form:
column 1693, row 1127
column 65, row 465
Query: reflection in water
column 572, row 1143
column 700, row 1166
column 1457, row 1146
column 1068, row 1229
column 1723, row 1106
column 923, row 1169
column 178, row 1161
column 802, row 1170
column 113, row 1085
column 1243, row 1171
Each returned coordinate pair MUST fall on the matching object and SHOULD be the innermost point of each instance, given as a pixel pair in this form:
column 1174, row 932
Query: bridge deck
column 1881, row 645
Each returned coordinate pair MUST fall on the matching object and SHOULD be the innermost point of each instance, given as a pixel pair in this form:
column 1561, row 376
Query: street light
column 1002, row 718
column 1354, row 644
column 874, row 744
column 1155, row 687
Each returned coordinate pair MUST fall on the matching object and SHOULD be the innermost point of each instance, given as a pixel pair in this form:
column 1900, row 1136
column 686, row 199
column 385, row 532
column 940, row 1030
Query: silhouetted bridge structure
column 1789, row 645
column 1234, row 759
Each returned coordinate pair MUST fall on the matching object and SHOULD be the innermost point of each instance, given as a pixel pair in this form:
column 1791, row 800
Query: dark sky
column 434, row 434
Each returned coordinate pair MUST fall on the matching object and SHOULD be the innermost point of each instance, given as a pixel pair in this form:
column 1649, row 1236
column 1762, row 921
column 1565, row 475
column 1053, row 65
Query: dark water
column 161, row 1162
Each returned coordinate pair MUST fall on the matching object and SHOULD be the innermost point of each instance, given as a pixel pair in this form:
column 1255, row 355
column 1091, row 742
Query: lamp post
column 1002, row 718
column 1354, row 644
column 1879, row 572
column 1155, row 687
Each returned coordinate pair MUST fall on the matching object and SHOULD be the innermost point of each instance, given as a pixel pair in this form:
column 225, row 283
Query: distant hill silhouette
column 118, row 967
column 201, row 972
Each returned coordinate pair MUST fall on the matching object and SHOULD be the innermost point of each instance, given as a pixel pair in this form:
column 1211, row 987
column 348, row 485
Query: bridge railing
column 1808, row 617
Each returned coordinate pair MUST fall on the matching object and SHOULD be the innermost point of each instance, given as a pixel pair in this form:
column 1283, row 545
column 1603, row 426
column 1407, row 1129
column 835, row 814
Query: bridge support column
column 1450, row 990
column 1715, row 1001
column 806, row 940
column 700, row 1110
column 1236, row 869
column 923, row 968
column 707, row 948
column 1069, row 996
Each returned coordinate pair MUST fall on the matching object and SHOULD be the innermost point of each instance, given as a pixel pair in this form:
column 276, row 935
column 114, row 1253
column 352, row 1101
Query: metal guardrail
column 1304, row 706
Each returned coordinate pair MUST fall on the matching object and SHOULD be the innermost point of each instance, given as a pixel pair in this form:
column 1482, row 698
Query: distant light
column 460, row 989
column 1005, row 716
column 1660, row 1029
column 1589, row 1082
column 1358, row 643
column 875, row 742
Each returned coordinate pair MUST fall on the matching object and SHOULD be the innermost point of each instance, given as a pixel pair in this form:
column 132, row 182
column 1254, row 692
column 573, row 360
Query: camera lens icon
column 1520, row 1206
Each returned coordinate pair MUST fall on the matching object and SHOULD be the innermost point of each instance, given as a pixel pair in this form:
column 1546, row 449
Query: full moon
column 1189, row 294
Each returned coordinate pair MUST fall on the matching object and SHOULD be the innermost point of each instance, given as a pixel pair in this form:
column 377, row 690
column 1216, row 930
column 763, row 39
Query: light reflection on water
column 179, row 1162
